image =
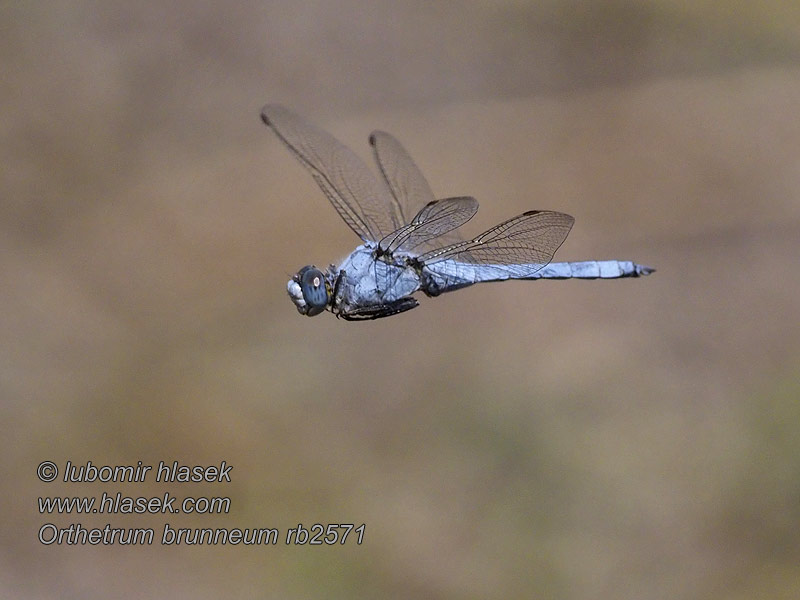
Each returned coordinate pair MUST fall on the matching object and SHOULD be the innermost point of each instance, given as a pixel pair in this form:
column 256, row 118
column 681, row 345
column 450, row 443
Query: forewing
column 408, row 185
column 356, row 194
column 436, row 218
column 410, row 190
column 520, row 246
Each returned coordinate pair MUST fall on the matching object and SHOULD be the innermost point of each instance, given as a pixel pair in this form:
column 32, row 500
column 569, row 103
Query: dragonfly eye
column 314, row 288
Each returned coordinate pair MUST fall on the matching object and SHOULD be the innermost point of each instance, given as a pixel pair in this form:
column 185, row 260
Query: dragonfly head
column 310, row 291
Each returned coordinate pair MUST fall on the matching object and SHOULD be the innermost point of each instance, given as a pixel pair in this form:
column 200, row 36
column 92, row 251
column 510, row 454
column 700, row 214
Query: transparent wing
column 356, row 194
column 518, row 247
column 436, row 218
column 410, row 190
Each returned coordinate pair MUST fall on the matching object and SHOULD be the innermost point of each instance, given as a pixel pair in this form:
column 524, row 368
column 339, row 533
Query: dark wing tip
column 530, row 213
column 265, row 113
column 373, row 137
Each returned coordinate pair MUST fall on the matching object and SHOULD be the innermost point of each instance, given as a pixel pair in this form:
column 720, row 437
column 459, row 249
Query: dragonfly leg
column 337, row 285
column 378, row 311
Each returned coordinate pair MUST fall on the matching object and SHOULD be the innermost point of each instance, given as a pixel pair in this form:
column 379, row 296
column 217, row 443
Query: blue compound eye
column 314, row 288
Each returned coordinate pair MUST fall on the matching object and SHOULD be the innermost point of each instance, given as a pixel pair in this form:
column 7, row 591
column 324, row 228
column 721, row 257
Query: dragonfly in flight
column 410, row 242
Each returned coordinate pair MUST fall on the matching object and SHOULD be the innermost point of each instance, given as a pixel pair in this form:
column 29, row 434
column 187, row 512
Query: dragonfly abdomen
column 592, row 269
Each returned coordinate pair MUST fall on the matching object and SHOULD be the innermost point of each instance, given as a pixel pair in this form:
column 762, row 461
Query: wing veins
column 435, row 219
column 511, row 243
column 358, row 196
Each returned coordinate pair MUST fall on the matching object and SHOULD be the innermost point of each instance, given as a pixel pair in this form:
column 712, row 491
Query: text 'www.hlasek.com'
column 112, row 502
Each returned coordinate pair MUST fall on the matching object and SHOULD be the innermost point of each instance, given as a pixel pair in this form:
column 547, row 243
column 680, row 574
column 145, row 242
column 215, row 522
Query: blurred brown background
column 624, row 439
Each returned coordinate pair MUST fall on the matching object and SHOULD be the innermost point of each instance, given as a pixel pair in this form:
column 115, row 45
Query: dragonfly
column 410, row 238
